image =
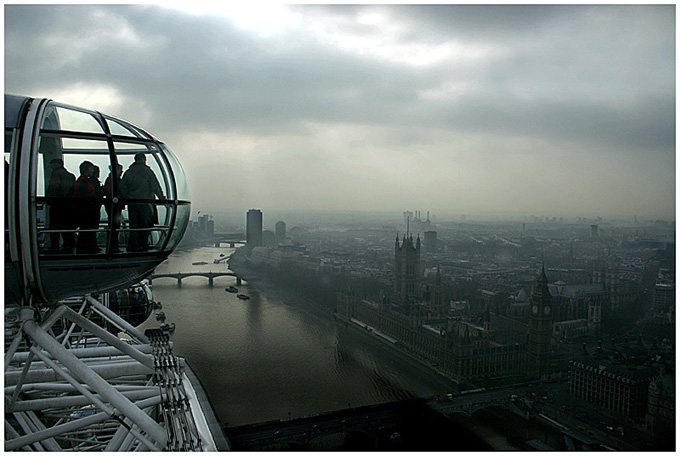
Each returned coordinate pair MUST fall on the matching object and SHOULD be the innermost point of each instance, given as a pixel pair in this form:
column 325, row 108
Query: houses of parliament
column 470, row 348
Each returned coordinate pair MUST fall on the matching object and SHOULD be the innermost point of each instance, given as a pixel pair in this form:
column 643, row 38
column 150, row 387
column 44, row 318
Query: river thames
column 267, row 358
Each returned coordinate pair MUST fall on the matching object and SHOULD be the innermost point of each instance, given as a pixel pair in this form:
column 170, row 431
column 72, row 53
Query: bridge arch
column 182, row 275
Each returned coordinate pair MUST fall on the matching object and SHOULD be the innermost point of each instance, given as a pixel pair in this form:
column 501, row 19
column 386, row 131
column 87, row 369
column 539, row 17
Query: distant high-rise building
column 202, row 222
column 540, row 328
column 280, row 231
column 593, row 231
column 253, row 229
column 430, row 241
column 205, row 226
column 664, row 294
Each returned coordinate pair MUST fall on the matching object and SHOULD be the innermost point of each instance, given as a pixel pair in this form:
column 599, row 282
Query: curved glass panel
column 70, row 214
column 181, row 222
column 180, row 177
column 160, row 169
column 74, row 120
column 87, row 221
column 125, row 152
column 119, row 127
column 144, row 181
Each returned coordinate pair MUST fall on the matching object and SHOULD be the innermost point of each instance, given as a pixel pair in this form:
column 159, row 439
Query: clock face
column 546, row 310
column 534, row 310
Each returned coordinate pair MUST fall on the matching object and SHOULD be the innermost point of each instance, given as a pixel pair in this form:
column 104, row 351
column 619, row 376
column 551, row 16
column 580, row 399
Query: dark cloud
column 600, row 77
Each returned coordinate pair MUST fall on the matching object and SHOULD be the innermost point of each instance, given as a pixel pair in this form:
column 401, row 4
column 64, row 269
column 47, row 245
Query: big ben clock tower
column 540, row 328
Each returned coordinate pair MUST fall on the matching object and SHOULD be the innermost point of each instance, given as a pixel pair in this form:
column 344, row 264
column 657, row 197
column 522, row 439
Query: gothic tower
column 406, row 270
column 540, row 328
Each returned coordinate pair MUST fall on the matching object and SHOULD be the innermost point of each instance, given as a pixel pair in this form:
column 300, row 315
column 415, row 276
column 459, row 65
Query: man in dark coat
column 140, row 182
column 61, row 217
column 87, row 212
column 113, row 210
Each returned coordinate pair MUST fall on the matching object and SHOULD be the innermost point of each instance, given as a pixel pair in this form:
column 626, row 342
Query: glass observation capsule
column 92, row 202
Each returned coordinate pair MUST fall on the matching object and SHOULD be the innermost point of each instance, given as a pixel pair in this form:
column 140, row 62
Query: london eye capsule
column 92, row 203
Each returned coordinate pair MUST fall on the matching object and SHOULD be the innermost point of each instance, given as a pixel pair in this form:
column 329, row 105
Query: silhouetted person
column 96, row 183
column 61, row 217
column 140, row 182
column 86, row 212
column 113, row 210
column 98, row 193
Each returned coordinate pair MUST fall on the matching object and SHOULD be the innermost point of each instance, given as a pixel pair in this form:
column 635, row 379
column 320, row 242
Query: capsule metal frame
column 37, row 130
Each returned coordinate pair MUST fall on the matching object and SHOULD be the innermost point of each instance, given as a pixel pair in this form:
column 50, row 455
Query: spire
column 542, row 284
column 542, row 277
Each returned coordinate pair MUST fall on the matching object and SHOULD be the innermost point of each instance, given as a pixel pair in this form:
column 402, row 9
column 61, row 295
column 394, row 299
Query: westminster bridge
column 183, row 275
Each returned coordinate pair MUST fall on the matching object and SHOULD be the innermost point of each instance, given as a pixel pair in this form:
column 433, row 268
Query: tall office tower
column 202, row 220
column 253, row 229
column 430, row 241
column 593, row 231
column 406, row 270
column 280, row 231
column 210, row 227
column 540, row 328
column 664, row 295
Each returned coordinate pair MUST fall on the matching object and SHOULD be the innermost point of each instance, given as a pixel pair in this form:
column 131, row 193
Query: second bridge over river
column 182, row 275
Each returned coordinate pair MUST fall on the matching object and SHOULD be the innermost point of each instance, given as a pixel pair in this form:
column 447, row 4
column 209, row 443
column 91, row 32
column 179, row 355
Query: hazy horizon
column 234, row 219
column 546, row 110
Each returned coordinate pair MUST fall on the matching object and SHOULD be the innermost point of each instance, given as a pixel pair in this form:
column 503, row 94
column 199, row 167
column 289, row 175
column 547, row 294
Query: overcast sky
column 545, row 110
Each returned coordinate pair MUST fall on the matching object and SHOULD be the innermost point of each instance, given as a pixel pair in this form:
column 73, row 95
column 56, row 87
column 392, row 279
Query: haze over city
column 555, row 110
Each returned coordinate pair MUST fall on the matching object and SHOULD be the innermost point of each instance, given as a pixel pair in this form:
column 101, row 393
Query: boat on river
column 198, row 263
column 231, row 289
column 242, row 296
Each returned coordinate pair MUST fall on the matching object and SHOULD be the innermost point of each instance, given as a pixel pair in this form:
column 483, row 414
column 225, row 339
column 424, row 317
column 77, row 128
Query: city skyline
column 456, row 109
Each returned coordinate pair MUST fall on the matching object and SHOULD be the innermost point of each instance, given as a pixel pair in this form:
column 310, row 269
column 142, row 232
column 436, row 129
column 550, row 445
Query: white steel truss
column 71, row 385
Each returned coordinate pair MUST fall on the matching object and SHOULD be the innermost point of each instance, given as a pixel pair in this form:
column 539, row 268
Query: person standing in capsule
column 140, row 182
column 114, row 213
column 60, row 186
column 86, row 212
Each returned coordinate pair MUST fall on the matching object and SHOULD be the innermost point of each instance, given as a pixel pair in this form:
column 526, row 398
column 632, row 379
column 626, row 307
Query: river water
column 265, row 359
